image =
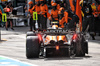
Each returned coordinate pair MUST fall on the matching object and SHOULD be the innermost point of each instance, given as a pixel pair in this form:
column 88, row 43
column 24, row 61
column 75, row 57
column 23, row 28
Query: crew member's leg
column 31, row 23
column 39, row 21
column 71, row 24
column 34, row 27
column 7, row 25
column 43, row 22
column 91, row 27
column 11, row 24
column 84, row 24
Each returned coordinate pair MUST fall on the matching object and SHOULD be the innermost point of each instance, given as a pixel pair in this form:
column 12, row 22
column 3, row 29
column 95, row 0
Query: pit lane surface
column 14, row 48
column 5, row 61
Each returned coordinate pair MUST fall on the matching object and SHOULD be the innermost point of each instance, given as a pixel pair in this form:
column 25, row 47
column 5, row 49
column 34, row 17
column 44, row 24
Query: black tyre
column 31, row 33
column 86, row 47
column 80, row 47
column 32, row 47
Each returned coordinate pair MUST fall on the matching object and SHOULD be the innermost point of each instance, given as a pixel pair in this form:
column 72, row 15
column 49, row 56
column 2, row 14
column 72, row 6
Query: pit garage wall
column 17, row 3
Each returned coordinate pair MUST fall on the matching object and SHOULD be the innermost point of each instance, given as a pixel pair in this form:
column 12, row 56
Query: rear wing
column 58, row 32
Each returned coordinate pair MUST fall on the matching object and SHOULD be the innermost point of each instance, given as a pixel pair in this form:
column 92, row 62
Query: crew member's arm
column 61, row 22
column 51, row 15
column 30, row 12
column 66, row 16
column 83, row 10
column 0, row 12
column 33, row 8
column 58, row 7
column 71, row 5
column 51, row 1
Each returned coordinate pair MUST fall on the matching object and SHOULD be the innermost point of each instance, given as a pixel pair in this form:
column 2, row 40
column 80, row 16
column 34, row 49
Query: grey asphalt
column 14, row 47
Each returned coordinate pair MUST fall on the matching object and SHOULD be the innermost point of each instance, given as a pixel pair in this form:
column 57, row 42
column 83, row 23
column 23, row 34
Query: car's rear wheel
column 86, row 47
column 32, row 47
column 80, row 47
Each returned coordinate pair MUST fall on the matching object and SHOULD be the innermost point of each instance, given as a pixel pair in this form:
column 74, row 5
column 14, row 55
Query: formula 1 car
column 55, row 40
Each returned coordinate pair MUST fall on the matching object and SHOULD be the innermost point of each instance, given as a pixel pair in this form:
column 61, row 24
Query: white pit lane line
column 21, row 36
column 24, row 37
column 8, row 60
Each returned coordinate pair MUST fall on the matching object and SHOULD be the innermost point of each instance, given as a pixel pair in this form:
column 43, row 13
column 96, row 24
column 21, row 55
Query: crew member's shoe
column 34, row 30
column 93, row 38
column 30, row 30
column 7, row 29
column 12, row 28
column 99, row 34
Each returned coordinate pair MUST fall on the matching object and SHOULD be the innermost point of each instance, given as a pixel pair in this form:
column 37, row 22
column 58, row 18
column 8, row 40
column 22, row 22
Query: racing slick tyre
column 86, row 47
column 31, row 33
column 80, row 47
column 32, row 47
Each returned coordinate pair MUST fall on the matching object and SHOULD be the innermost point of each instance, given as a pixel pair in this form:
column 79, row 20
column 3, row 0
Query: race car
column 55, row 40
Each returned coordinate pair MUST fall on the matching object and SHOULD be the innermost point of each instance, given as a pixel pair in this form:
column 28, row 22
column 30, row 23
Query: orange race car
column 56, row 41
